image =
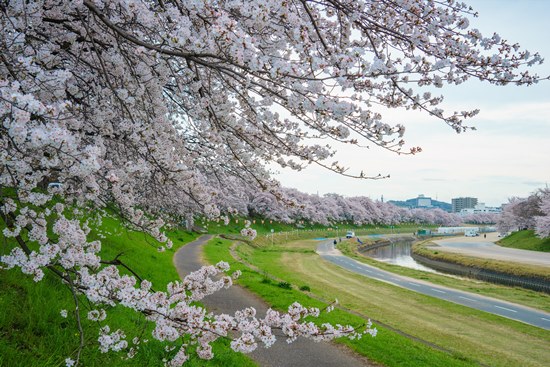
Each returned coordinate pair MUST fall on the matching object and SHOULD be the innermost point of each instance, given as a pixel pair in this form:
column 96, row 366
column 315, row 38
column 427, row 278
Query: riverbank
column 517, row 295
column 497, row 271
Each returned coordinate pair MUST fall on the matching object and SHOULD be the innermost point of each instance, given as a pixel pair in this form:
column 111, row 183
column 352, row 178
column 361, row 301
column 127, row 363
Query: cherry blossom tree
column 481, row 218
column 519, row 213
column 159, row 110
column 542, row 222
column 527, row 213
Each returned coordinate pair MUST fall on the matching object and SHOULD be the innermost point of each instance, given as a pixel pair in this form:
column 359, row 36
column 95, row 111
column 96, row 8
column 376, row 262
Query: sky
column 508, row 155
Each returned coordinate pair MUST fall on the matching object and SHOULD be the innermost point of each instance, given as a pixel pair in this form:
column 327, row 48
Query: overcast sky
column 508, row 155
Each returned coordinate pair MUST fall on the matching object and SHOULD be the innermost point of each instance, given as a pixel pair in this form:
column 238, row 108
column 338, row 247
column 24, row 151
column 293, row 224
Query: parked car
column 350, row 234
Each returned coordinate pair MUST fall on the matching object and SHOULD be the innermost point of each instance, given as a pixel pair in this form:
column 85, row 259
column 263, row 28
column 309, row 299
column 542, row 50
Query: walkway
column 301, row 353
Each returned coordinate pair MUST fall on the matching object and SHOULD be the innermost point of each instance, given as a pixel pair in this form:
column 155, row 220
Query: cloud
column 436, row 179
column 535, row 183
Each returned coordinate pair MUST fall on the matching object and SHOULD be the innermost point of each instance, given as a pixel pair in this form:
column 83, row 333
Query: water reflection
column 398, row 253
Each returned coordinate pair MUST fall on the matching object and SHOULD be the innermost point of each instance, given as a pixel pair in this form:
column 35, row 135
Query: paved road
column 485, row 248
column 512, row 311
column 301, row 353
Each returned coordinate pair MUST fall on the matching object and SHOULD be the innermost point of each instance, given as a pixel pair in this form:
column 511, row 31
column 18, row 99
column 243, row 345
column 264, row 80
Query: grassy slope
column 470, row 334
column 526, row 240
column 32, row 332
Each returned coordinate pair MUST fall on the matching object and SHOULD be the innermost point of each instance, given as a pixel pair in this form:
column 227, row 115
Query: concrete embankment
column 386, row 241
column 534, row 283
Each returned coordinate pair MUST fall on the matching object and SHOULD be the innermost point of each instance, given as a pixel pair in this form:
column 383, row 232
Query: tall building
column 463, row 203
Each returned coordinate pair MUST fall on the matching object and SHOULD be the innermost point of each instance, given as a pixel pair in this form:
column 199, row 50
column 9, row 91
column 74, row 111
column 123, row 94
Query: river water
column 398, row 253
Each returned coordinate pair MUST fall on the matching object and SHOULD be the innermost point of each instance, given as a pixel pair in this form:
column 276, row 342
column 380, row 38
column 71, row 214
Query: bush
column 266, row 281
column 284, row 285
column 305, row 288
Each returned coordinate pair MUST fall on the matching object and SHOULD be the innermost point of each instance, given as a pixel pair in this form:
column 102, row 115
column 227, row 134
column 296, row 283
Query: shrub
column 284, row 285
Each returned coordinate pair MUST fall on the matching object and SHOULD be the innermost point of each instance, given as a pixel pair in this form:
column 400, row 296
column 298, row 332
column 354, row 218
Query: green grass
column 388, row 348
column 526, row 240
column 471, row 335
column 264, row 227
column 32, row 332
column 430, row 250
column 517, row 295
column 279, row 238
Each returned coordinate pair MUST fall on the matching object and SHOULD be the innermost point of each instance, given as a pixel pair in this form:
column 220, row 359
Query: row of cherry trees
column 154, row 109
column 532, row 212
column 296, row 206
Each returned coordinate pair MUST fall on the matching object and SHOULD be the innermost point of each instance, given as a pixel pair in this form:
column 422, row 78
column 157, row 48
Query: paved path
column 301, row 353
column 486, row 248
column 512, row 311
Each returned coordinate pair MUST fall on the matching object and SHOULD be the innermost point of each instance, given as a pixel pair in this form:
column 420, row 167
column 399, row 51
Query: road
column 485, row 248
column 301, row 353
column 512, row 311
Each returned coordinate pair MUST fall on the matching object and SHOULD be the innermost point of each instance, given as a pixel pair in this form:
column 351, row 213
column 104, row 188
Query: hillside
column 526, row 240
column 33, row 332
column 411, row 203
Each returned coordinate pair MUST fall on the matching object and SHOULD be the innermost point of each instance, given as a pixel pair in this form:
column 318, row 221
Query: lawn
column 469, row 336
column 526, row 240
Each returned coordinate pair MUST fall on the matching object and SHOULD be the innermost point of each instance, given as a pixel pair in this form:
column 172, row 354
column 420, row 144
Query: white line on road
column 437, row 290
column 414, row 284
column 544, row 319
column 468, row 299
column 507, row 309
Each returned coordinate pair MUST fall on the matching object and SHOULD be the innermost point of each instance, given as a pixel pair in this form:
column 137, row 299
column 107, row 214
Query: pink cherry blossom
column 166, row 113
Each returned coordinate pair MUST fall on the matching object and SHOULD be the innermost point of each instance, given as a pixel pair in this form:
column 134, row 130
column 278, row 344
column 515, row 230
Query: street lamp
column 272, row 234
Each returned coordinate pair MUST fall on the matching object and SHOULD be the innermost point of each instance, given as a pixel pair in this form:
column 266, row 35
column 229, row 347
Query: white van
column 350, row 234
column 471, row 233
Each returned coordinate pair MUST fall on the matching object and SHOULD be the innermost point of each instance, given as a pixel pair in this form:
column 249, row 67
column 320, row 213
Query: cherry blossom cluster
column 532, row 212
column 247, row 231
column 333, row 208
column 175, row 316
column 160, row 112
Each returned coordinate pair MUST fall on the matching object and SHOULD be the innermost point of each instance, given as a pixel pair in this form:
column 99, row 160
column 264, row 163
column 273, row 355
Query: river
column 398, row 253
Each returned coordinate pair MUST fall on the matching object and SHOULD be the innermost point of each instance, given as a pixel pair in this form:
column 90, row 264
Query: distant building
column 463, row 203
column 480, row 208
column 455, row 230
column 423, row 202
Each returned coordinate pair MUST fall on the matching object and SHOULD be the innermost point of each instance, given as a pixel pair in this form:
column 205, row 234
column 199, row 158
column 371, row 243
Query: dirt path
column 301, row 353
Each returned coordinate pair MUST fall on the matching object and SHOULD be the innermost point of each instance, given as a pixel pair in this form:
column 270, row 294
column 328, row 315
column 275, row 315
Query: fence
column 278, row 238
